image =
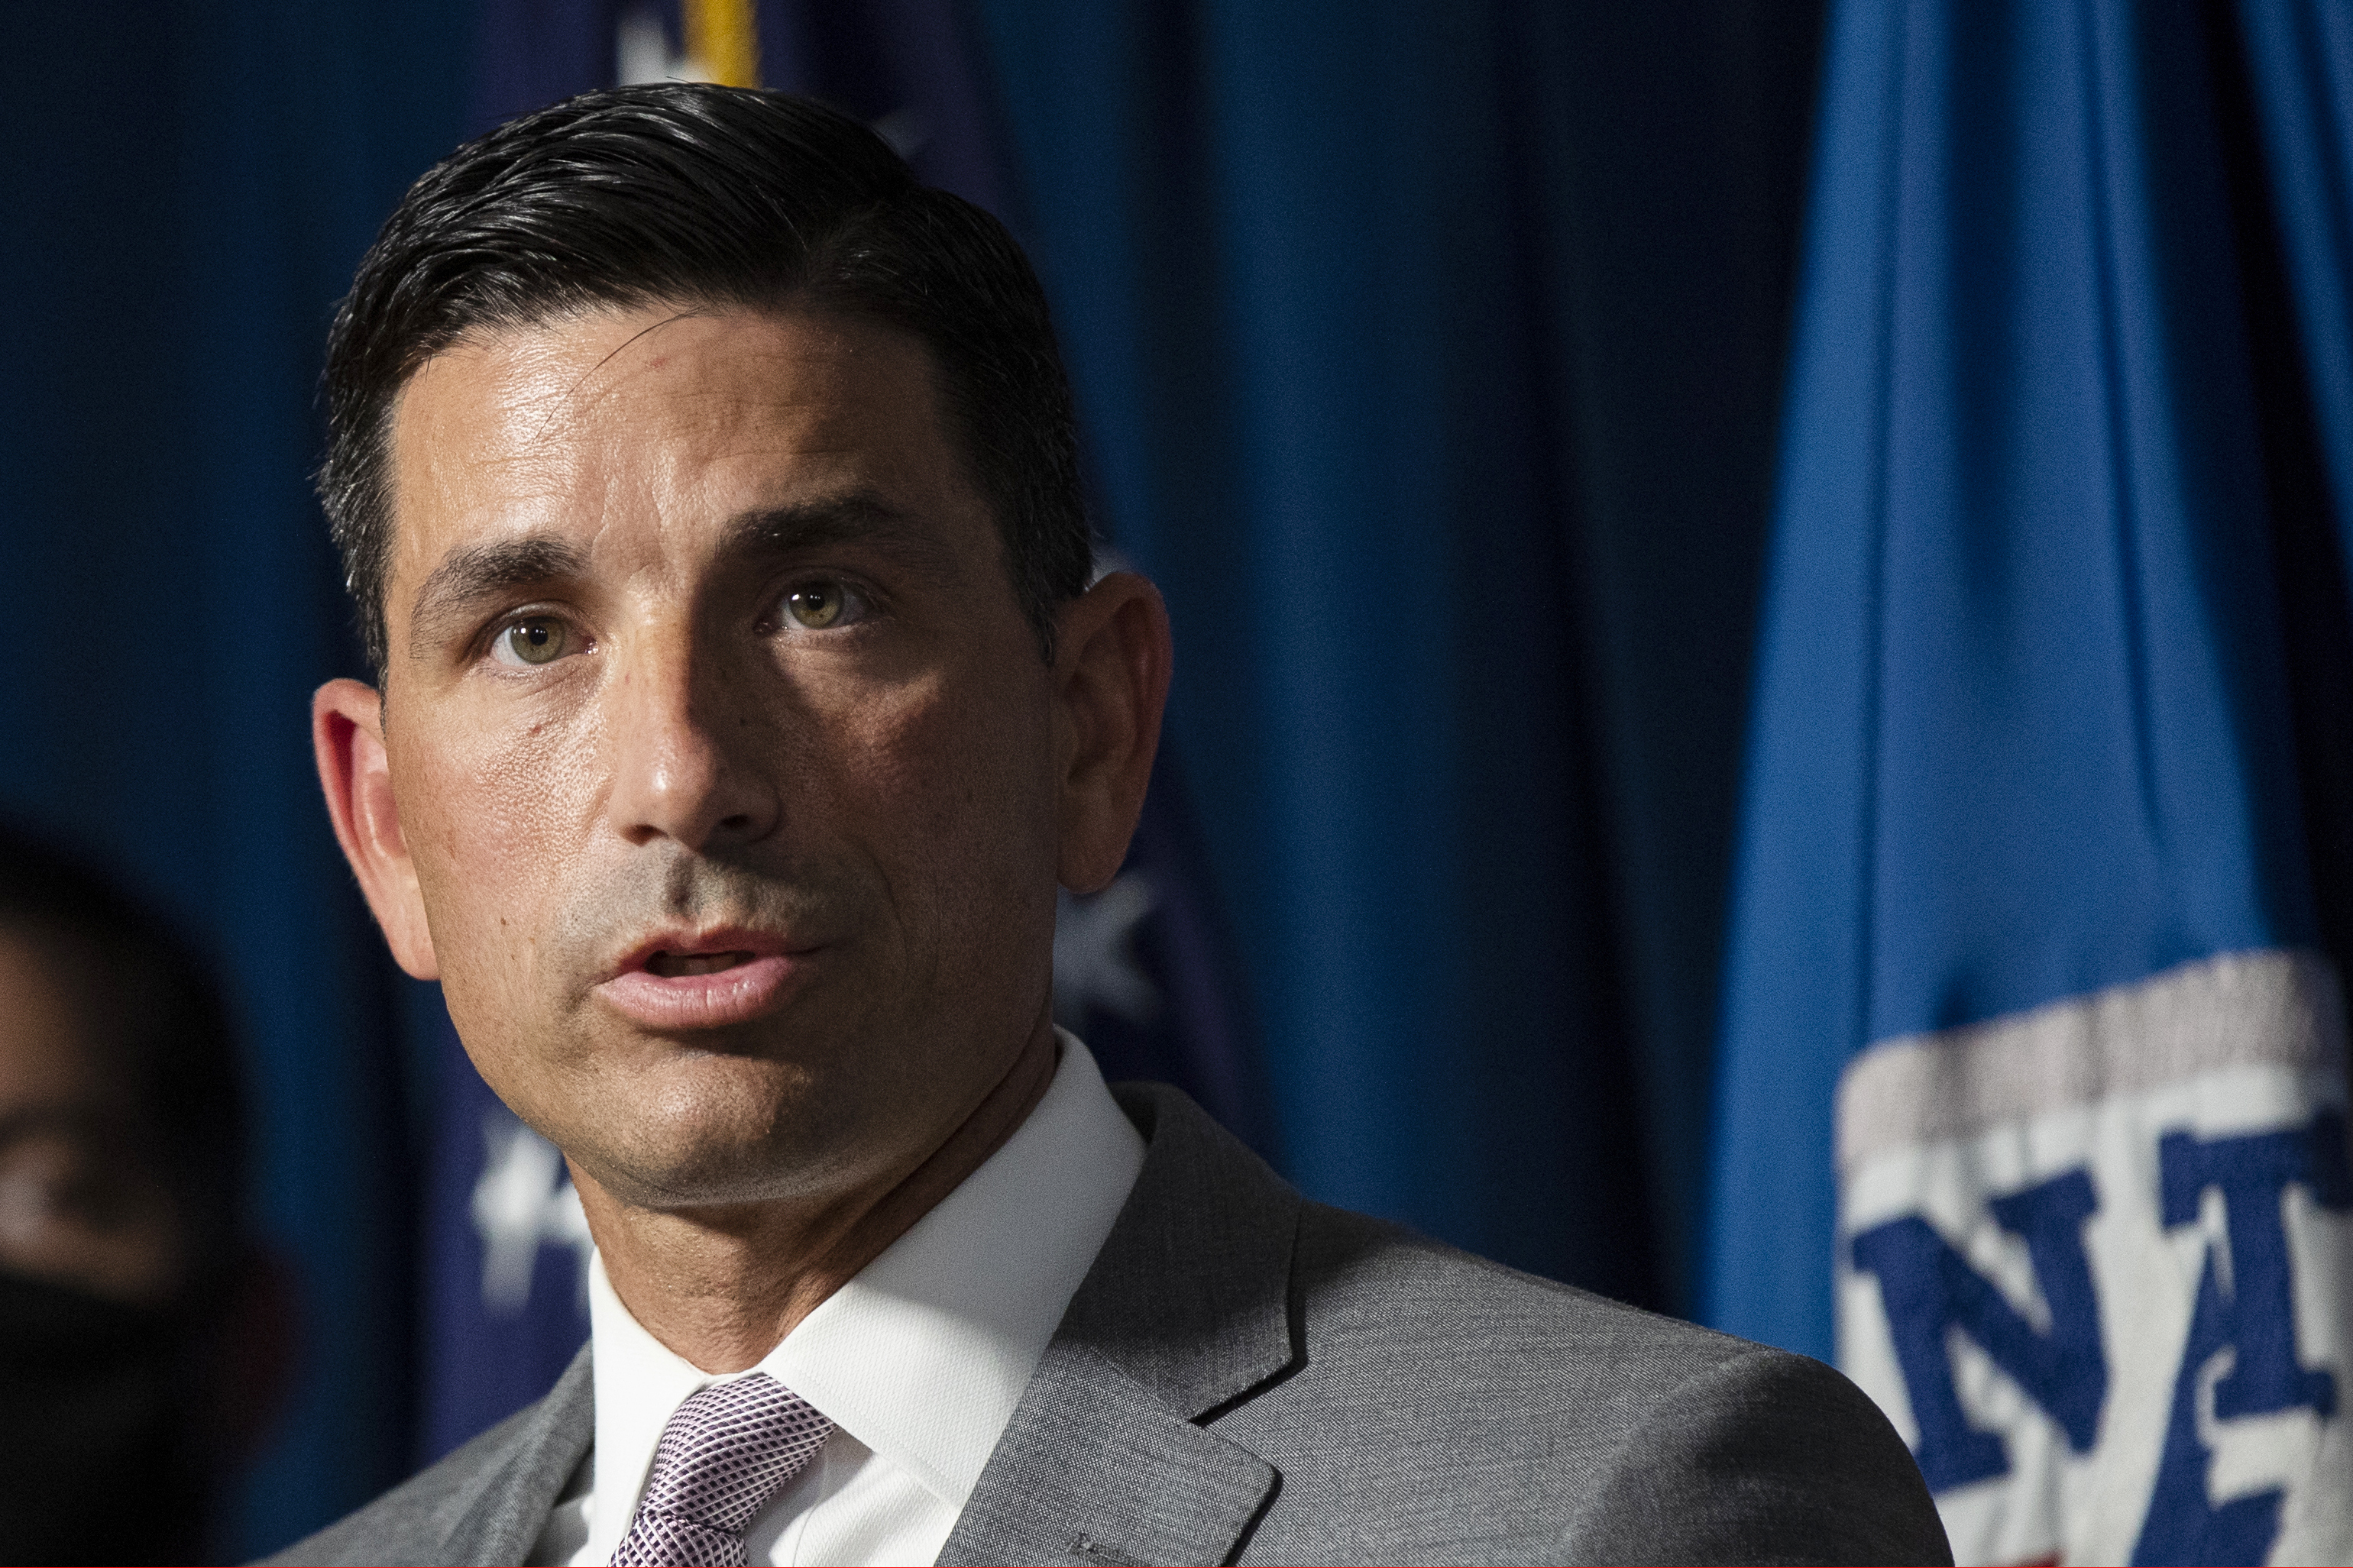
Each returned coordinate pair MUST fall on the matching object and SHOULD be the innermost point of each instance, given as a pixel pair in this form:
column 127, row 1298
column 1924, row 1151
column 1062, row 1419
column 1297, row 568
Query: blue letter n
column 1929, row 1288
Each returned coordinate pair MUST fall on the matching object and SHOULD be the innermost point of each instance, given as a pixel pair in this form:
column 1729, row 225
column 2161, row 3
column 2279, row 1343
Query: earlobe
column 1111, row 682
column 347, row 738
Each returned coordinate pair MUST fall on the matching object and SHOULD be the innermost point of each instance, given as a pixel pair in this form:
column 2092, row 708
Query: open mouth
column 672, row 966
column 675, row 989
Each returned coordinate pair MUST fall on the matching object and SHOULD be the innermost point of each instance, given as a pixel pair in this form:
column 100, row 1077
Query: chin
column 694, row 1150
column 707, row 1173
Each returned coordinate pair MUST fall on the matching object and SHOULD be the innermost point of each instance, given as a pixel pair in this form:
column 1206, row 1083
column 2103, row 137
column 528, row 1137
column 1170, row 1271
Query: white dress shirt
column 919, row 1360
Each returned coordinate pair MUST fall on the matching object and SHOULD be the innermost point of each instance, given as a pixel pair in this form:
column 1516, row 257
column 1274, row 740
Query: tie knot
column 723, row 1454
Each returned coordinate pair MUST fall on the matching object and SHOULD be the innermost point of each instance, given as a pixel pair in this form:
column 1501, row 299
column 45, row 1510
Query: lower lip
column 713, row 1001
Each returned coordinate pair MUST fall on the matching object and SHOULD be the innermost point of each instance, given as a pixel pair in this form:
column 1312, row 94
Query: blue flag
column 2299, row 69
column 2031, row 1105
column 1142, row 969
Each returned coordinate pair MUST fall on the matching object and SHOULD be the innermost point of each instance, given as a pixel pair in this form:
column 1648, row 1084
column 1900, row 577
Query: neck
column 722, row 1288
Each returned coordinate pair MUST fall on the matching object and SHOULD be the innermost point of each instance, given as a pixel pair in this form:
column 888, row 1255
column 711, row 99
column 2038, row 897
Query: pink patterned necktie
column 725, row 1452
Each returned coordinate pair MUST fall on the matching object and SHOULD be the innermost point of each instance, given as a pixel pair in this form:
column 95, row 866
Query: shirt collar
column 923, row 1354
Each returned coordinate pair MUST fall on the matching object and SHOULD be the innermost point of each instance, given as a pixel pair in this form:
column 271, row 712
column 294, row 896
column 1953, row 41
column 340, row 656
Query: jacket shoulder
column 409, row 1523
column 457, row 1508
column 1368, row 1288
column 1762, row 1457
column 1450, row 1406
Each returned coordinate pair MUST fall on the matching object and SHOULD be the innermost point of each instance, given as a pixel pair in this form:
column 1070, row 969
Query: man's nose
column 688, row 749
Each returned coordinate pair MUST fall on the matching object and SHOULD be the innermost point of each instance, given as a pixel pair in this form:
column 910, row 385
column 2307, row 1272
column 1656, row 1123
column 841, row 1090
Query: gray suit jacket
column 1246, row 1376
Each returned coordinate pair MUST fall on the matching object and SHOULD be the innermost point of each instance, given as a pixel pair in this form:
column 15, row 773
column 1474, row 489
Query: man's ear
column 347, row 735
column 1110, row 680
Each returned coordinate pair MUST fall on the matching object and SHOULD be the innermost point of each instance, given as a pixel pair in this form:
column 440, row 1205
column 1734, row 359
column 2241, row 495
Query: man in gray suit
column 707, row 490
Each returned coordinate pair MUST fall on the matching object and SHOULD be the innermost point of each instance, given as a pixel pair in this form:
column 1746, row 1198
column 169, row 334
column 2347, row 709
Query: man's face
column 722, row 752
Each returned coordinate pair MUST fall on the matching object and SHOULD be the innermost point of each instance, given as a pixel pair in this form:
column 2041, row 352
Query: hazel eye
column 538, row 639
column 822, row 606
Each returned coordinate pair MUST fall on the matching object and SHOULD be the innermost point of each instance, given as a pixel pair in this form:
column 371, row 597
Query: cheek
column 502, row 821
column 953, row 781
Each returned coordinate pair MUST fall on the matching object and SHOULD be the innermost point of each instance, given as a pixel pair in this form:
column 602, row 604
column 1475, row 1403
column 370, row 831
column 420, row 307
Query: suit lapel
column 505, row 1513
column 1185, row 1312
column 1095, row 1468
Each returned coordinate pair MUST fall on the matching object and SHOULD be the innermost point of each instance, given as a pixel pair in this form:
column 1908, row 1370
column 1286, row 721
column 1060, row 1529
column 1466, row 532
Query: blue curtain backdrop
column 1428, row 355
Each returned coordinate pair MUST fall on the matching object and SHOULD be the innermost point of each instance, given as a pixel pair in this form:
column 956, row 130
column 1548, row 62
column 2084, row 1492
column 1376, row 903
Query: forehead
column 657, row 423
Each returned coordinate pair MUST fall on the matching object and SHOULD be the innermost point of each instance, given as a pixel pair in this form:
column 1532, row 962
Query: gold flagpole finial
column 722, row 41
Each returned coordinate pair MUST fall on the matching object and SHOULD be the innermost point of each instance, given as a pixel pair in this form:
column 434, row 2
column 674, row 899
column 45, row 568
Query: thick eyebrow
column 858, row 517
column 447, row 601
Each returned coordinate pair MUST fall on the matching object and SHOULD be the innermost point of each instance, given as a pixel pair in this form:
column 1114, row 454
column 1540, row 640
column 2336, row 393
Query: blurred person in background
column 141, row 1337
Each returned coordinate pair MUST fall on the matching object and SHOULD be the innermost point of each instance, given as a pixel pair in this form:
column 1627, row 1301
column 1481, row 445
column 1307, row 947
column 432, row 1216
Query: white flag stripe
column 2235, row 1009
column 2109, row 1302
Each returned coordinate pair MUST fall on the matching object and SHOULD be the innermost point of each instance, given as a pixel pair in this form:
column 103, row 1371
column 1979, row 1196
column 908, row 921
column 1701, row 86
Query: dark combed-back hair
column 707, row 196
column 169, row 1024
